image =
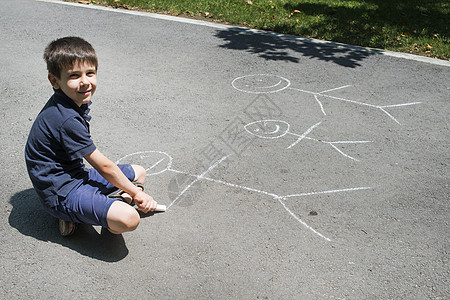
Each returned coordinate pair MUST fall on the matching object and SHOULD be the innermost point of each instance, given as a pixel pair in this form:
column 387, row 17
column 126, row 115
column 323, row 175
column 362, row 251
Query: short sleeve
column 76, row 139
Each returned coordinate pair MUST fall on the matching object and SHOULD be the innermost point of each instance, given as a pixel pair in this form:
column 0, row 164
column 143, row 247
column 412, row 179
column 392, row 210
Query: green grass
column 411, row 26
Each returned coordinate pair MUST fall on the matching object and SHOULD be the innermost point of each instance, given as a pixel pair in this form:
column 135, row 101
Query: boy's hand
column 111, row 172
column 145, row 202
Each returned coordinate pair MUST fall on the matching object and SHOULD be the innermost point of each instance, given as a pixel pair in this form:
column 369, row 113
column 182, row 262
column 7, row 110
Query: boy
column 59, row 140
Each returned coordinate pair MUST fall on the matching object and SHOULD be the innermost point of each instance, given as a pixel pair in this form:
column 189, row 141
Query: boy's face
column 78, row 83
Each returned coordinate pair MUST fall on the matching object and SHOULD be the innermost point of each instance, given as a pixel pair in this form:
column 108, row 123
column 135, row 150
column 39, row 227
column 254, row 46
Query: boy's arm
column 111, row 172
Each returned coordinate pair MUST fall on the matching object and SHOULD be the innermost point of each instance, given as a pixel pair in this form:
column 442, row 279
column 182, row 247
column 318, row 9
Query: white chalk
column 160, row 207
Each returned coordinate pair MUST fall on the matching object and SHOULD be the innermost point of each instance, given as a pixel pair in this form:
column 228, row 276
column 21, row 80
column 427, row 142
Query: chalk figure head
column 268, row 129
column 260, row 84
column 154, row 162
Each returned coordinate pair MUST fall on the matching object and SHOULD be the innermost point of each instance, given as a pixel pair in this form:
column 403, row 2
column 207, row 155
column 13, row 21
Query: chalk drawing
column 160, row 157
column 158, row 161
column 260, row 84
column 266, row 83
column 274, row 129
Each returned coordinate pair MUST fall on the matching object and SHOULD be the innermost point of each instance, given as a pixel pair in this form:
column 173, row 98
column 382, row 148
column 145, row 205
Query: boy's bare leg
column 139, row 173
column 139, row 176
column 122, row 218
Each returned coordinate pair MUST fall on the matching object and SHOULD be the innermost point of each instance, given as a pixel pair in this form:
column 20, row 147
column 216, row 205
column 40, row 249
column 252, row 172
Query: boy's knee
column 122, row 218
column 131, row 220
column 139, row 173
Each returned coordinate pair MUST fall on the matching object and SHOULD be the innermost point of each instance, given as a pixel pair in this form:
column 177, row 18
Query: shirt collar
column 83, row 110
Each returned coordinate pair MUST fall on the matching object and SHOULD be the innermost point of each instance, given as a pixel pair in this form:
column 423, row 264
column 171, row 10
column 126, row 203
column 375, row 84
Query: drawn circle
column 260, row 83
column 154, row 162
column 268, row 129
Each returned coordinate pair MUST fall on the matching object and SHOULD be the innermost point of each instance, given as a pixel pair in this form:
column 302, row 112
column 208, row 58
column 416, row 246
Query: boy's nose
column 84, row 80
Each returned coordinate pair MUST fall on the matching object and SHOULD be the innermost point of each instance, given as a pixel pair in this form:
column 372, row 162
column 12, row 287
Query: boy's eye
column 73, row 76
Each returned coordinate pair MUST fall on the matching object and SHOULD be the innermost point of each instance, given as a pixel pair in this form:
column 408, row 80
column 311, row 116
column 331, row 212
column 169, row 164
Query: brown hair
column 65, row 52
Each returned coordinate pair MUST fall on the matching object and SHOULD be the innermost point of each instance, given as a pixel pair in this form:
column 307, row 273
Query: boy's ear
column 53, row 81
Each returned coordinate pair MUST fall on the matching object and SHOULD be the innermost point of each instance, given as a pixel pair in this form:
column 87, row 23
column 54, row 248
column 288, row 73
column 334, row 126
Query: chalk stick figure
column 274, row 129
column 267, row 83
column 160, row 162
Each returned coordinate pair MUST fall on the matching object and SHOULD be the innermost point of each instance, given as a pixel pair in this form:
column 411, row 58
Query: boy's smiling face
column 78, row 83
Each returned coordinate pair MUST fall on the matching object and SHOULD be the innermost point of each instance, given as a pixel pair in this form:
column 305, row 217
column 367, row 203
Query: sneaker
column 67, row 228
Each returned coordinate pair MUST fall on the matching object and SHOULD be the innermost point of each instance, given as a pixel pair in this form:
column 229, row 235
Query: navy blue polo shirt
column 58, row 140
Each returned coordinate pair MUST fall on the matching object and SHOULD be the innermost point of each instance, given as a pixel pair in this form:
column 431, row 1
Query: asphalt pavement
column 292, row 168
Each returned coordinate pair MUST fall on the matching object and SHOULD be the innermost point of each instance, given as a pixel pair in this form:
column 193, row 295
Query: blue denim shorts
column 88, row 203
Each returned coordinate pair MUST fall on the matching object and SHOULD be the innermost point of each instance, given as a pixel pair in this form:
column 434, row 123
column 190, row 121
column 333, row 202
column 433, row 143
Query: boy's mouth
column 85, row 93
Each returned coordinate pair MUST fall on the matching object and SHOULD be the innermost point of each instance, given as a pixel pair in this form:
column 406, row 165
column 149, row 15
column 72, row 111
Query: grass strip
column 416, row 26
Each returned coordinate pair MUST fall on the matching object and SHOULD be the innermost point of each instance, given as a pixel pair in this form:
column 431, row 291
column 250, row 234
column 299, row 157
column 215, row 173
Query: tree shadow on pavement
column 271, row 46
column 28, row 217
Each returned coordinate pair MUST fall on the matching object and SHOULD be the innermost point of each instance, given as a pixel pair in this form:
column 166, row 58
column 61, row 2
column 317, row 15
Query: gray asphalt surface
column 342, row 193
